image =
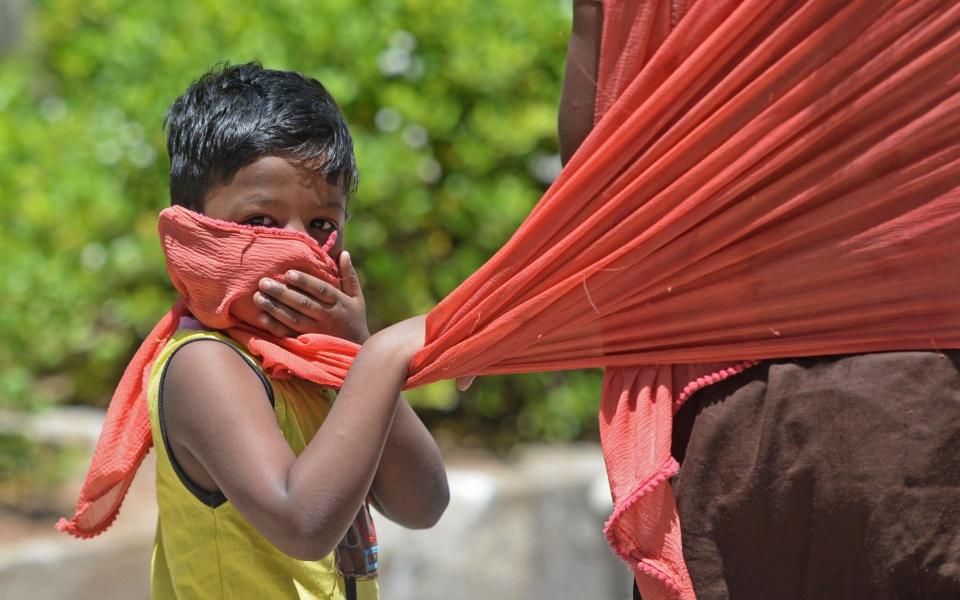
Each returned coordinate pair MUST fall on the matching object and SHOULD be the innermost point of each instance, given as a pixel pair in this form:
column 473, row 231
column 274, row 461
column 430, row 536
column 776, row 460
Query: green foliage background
column 452, row 104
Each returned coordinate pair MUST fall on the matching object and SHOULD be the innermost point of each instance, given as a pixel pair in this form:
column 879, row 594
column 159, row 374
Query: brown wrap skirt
column 827, row 477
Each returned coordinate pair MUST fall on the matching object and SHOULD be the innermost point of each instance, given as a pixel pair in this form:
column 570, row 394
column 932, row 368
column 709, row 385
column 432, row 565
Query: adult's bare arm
column 577, row 100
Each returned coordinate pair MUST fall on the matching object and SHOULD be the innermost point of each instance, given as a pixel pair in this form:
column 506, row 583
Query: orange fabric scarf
column 767, row 178
column 215, row 265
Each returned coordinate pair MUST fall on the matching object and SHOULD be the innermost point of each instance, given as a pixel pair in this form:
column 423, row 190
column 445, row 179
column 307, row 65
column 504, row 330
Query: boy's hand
column 310, row 305
column 398, row 342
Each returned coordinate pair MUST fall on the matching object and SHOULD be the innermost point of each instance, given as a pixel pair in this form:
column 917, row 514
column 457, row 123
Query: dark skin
column 577, row 100
column 371, row 441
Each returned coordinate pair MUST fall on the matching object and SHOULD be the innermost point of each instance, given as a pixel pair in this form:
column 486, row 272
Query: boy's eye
column 259, row 220
column 323, row 225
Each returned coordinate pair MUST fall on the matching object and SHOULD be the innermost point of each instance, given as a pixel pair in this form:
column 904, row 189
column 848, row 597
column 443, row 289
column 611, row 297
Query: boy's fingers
column 349, row 281
column 292, row 319
column 301, row 303
column 275, row 327
column 317, row 289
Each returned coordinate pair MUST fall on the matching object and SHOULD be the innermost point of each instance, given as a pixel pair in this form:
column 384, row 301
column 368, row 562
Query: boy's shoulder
column 198, row 352
column 200, row 363
column 207, row 400
column 194, row 347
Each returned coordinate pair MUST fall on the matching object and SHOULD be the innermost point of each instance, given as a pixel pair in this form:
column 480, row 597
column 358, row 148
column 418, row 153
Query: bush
column 453, row 107
column 32, row 474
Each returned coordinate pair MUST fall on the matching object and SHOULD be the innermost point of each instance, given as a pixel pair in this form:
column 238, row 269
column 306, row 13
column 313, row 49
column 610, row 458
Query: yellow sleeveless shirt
column 204, row 549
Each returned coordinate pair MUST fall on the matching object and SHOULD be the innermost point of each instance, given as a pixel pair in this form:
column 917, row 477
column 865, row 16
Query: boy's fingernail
column 293, row 275
column 267, row 284
column 264, row 320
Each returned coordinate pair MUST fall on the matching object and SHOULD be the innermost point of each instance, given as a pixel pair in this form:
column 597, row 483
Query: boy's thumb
column 349, row 282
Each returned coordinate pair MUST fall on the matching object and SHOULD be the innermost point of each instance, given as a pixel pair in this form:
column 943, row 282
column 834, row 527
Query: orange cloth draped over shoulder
column 216, row 266
column 765, row 179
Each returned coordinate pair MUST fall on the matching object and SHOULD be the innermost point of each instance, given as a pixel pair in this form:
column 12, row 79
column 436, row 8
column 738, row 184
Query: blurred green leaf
column 449, row 102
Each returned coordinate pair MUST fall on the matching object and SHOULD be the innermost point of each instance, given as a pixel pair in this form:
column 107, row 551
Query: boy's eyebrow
column 260, row 199
column 256, row 198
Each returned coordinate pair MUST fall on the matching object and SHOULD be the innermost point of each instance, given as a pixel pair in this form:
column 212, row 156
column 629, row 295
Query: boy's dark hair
column 234, row 115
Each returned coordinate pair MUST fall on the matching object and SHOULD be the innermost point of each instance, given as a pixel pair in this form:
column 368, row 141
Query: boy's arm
column 411, row 471
column 399, row 488
column 219, row 416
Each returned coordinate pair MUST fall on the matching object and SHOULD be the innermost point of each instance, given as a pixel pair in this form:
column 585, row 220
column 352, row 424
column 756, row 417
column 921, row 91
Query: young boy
column 259, row 479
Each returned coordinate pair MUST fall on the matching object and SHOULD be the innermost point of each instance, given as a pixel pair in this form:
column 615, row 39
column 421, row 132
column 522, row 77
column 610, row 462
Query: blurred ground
column 525, row 528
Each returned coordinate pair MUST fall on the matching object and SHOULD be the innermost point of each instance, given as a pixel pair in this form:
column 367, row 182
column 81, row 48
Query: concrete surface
column 527, row 529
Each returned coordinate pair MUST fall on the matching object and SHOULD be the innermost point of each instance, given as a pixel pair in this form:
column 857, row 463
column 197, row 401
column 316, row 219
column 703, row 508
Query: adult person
column 816, row 477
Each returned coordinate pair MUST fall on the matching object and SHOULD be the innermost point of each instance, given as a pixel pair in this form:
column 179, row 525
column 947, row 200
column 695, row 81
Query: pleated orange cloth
column 765, row 179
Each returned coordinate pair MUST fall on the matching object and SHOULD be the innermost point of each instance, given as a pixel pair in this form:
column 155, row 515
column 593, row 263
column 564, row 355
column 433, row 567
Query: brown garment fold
column 825, row 477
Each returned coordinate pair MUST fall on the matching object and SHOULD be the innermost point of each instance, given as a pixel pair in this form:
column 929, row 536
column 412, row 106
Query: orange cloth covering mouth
column 216, row 266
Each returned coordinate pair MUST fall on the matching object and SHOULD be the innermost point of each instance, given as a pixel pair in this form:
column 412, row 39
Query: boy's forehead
column 273, row 178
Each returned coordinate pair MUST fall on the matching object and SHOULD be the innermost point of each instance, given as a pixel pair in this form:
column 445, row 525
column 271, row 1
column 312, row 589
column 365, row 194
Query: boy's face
column 275, row 192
